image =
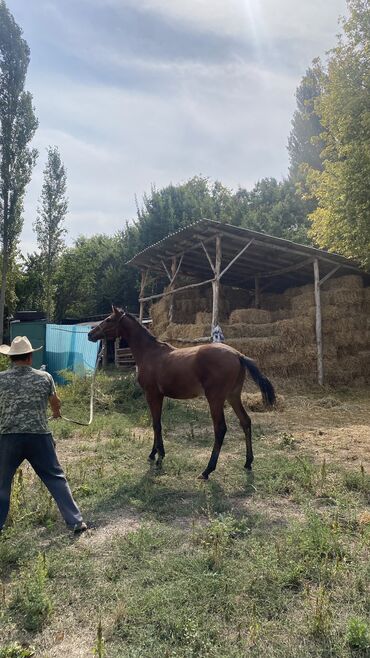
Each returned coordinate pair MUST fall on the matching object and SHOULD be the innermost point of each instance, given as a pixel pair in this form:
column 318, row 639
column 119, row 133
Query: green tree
column 81, row 279
column 17, row 127
column 305, row 140
column 341, row 221
column 30, row 285
column 275, row 208
column 49, row 225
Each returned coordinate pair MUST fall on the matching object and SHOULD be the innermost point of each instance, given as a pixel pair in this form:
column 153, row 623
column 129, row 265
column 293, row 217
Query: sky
column 138, row 93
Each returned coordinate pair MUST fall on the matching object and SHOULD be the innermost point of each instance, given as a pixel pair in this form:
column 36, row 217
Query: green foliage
column 341, row 220
column 305, row 142
column 358, row 634
column 49, row 225
column 83, row 278
column 17, row 127
column 30, row 284
column 32, row 601
column 16, row 650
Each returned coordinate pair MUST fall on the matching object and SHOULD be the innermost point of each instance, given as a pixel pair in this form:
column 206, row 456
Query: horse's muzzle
column 92, row 337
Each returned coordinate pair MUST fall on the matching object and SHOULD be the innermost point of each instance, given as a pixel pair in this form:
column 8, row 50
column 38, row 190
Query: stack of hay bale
column 280, row 336
column 284, row 342
column 192, row 311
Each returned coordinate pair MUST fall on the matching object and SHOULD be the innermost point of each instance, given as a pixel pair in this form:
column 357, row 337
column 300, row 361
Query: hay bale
column 343, row 371
column 343, row 324
column 249, row 316
column 184, row 331
column 159, row 310
column 256, row 347
column 291, row 293
column 274, row 302
column 281, row 314
column 303, row 301
column 241, row 330
column 347, row 282
column 203, row 317
column 341, row 297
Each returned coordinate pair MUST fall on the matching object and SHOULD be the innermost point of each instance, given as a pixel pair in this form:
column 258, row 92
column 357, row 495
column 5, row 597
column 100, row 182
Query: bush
column 358, row 634
column 32, row 600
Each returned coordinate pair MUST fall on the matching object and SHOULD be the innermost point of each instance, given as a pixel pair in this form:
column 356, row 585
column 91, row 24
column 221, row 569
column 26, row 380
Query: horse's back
column 191, row 371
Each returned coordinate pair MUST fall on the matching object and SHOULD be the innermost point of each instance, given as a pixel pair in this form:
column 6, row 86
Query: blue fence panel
column 68, row 348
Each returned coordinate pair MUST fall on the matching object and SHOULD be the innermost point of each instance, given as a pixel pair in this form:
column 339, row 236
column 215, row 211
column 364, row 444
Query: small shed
column 257, row 282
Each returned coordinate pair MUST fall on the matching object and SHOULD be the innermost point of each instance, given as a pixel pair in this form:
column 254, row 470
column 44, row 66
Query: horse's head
column 111, row 327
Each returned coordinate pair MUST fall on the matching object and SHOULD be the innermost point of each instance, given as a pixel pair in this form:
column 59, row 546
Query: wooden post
column 320, row 366
column 116, row 347
column 216, row 284
column 256, row 292
column 142, row 290
column 105, row 353
column 172, row 281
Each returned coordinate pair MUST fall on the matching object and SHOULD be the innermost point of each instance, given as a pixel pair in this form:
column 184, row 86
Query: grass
column 272, row 564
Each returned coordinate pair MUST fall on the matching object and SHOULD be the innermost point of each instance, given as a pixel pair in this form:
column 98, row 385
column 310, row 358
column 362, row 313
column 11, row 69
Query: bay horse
column 214, row 370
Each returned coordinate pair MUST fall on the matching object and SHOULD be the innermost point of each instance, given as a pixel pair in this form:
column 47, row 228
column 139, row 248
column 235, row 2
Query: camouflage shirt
column 24, row 395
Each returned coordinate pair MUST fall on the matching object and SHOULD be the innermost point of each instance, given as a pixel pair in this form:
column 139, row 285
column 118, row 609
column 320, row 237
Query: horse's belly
column 181, row 388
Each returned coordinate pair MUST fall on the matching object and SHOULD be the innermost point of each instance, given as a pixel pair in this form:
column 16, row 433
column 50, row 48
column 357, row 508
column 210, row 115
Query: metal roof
column 266, row 256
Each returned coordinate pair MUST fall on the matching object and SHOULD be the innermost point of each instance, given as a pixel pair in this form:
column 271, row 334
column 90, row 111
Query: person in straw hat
column 24, row 433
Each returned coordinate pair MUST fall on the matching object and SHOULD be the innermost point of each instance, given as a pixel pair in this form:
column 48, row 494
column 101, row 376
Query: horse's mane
column 134, row 319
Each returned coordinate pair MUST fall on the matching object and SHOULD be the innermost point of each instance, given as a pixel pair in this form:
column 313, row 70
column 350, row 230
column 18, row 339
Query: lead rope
column 78, row 422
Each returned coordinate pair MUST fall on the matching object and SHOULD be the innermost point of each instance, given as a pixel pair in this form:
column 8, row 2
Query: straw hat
column 20, row 345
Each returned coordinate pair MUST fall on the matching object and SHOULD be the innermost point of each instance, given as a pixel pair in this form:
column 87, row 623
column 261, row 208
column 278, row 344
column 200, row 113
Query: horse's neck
column 140, row 342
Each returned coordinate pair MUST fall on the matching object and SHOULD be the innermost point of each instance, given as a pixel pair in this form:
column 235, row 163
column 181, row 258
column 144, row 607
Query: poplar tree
column 49, row 225
column 17, row 127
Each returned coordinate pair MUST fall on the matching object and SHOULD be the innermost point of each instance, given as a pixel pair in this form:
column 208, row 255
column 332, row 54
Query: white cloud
column 128, row 106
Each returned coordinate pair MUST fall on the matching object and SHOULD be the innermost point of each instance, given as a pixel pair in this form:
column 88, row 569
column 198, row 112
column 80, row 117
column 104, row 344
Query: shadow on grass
column 159, row 495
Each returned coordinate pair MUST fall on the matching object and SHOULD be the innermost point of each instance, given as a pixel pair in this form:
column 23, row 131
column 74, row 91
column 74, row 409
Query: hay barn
column 298, row 311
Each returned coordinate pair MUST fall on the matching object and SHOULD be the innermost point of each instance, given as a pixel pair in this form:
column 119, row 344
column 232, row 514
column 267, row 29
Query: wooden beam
column 236, row 257
column 209, row 258
column 166, row 270
column 320, row 365
column 325, row 278
column 144, row 276
column 216, row 283
column 173, row 277
column 172, row 292
column 174, row 270
column 285, row 270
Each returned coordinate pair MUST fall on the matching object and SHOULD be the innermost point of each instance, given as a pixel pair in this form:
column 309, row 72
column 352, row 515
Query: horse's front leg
column 155, row 402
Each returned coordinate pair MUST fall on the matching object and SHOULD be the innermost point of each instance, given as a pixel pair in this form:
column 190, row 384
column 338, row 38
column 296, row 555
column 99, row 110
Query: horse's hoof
column 248, row 467
column 203, row 477
column 151, row 460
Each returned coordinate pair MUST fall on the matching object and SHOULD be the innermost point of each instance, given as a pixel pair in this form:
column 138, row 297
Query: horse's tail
column 267, row 389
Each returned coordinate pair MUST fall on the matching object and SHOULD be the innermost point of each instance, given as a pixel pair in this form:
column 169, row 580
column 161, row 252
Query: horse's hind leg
column 155, row 402
column 219, row 424
column 246, row 424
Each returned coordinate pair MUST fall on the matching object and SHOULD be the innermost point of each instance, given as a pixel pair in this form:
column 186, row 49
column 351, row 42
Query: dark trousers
column 39, row 450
